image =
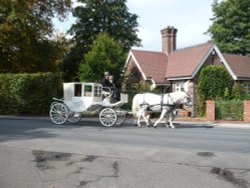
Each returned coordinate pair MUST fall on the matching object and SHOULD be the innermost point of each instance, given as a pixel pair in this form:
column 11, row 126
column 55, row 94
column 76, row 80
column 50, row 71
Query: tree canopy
column 231, row 26
column 25, row 28
column 105, row 55
column 97, row 16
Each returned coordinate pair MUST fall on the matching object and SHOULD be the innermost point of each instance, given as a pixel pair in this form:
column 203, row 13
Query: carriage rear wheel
column 74, row 117
column 121, row 116
column 58, row 113
column 107, row 117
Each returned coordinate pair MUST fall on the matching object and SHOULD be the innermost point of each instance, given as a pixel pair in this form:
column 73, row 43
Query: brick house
column 167, row 70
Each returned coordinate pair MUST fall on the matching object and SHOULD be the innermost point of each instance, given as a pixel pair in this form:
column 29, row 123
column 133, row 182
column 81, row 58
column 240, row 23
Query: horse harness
column 162, row 104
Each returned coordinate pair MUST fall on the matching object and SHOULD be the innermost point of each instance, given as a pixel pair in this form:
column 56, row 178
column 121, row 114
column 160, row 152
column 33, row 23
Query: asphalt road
column 37, row 153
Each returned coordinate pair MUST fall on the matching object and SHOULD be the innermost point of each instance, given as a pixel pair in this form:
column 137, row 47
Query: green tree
column 231, row 26
column 63, row 45
column 25, row 30
column 97, row 16
column 105, row 55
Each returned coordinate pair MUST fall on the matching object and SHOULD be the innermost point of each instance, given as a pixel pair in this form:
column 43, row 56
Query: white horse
column 159, row 103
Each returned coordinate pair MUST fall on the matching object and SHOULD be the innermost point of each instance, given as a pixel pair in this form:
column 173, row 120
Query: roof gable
column 151, row 64
column 186, row 62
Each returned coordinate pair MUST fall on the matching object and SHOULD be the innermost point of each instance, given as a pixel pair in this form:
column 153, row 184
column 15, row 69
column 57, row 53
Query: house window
column 247, row 88
column 178, row 87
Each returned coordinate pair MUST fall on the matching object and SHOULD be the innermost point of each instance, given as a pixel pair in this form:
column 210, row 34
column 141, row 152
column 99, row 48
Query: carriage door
column 77, row 102
column 88, row 94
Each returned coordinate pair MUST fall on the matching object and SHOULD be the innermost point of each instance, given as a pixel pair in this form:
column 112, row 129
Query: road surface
column 36, row 153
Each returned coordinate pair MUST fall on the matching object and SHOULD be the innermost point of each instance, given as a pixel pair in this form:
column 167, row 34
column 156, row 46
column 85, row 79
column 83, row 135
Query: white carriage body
column 80, row 96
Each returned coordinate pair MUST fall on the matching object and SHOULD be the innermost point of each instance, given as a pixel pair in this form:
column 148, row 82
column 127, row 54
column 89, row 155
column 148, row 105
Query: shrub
column 28, row 93
column 239, row 91
column 247, row 97
column 229, row 110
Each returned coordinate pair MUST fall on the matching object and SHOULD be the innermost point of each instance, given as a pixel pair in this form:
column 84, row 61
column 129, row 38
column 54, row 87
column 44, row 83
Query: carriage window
column 97, row 91
column 87, row 91
column 78, row 90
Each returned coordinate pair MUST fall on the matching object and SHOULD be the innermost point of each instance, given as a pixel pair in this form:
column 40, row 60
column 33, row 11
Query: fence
column 211, row 111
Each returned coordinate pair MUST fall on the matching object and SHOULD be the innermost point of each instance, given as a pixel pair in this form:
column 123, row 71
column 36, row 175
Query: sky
column 190, row 17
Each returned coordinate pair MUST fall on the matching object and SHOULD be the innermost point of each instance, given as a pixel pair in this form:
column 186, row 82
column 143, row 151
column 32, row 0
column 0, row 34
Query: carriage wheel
column 121, row 116
column 74, row 117
column 107, row 117
column 58, row 113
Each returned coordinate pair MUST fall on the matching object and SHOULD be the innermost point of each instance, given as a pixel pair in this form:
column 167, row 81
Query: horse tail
column 135, row 104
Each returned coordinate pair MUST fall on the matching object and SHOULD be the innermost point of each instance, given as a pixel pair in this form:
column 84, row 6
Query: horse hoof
column 155, row 127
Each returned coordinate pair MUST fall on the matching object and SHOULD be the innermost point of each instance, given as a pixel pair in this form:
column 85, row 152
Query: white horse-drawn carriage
column 81, row 97
column 90, row 97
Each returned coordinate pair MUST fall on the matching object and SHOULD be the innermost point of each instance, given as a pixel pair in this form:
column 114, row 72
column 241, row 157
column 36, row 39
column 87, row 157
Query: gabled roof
column 240, row 65
column 184, row 63
column 151, row 64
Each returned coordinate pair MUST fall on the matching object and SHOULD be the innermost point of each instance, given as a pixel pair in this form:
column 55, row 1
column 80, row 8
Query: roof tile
column 240, row 65
column 153, row 64
column 183, row 62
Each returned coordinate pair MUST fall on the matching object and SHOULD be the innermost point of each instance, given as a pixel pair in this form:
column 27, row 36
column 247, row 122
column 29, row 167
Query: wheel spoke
column 58, row 113
column 107, row 117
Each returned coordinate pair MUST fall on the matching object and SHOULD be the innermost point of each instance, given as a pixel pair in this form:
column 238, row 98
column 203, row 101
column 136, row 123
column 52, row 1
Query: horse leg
column 146, row 117
column 140, row 114
column 167, row 119
column 163, row 112
column 139, row 119
column 171, row 119
column 149, row 120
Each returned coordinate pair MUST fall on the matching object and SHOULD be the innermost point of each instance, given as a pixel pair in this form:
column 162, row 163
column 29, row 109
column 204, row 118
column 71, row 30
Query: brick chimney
column 168, row 39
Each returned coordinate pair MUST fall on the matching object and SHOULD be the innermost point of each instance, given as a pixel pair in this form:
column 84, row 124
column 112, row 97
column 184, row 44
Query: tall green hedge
column 28, row 94
column 214, row 82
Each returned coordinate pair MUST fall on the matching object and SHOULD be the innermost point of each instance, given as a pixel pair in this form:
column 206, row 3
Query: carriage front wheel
column 58, row 113
column 107, row 117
